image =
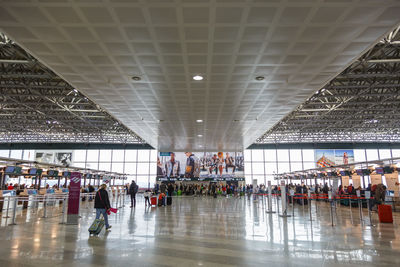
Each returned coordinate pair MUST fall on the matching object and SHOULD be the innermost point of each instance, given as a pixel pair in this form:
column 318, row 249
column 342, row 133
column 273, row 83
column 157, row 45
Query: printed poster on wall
column 331, row 157
column 376, row 179
column 391, row 180
column 356, row 181
column 345, row 180
column 200, row 165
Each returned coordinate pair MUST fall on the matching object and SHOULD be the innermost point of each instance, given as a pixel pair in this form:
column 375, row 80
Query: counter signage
column 74, row 193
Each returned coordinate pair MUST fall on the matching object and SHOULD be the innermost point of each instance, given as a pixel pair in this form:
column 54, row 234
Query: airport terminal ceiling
column 37, row 106
column 295, row 48
column 361, row 104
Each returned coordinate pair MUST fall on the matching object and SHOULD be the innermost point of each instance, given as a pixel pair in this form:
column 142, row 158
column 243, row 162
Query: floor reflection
column 206, row 232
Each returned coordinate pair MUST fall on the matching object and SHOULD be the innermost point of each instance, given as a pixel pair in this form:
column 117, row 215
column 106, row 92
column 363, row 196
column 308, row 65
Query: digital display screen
column 32, row 171
column 379, row 170
column 66, row 174
column 359, row 172
column 387, row 169
column 10, row 169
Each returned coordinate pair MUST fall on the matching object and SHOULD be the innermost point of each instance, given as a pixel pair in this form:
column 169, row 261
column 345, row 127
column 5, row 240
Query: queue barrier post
column 367, row 197
column 63, row 210
column 351, row 211
column 14, row 210
column 284, row 202
column 45, row 206
column 120, row 199
column 269, row 199
column 331, row 206
column 309, row 204
column 8, row 207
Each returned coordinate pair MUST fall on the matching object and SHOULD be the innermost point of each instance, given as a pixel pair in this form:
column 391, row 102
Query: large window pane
column 117, row 167
column 247, row 178
column 153, row 168
column 16, row 154
column 257, row 155
column 79, row 155
column 270, row 167
column 296, row 166
column 152, row 180
column 270, row 155
column 258, row 168
column 93, row 155
column 396, row 153
column 384, row 153
column 130, row 168
column 283, row 167
column 5, row 153
column 130, row 178
column 283, row 154
column 144, row 155
column 131, row 155
column 153, row 155
column 260, row 179
column 118, row 155
column 295, row 155
column 372, row 154
column 247, row 155
column 105, row 155
column 270, row 178
column 309, row 165
column 92, row 165
column 308, row 155
column 29, row 154
column 247, row 168
column 143, row 168
column 79, row 164
column 142, row 181
column 359, row 155
column 105, row 166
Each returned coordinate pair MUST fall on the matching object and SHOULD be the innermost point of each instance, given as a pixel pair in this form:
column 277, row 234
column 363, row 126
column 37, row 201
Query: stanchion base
column 12, row 224
column 284, row 215
column 270, row 211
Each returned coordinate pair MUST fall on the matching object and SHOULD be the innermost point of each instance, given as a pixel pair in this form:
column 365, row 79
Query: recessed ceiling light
column 136, row 78
column 199, row 121
column 260, row 78
column 200, row 135
column 197, row 77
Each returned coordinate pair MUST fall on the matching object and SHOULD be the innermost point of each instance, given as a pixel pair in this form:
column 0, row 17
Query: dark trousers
column 147, row 200
column 230, row 166
column 133, row 200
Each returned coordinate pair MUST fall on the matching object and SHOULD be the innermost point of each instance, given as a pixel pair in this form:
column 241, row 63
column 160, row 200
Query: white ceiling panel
column 298, row 46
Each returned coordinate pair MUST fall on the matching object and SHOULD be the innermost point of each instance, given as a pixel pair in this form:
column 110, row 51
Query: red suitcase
column 385, row 214
column 153, row 201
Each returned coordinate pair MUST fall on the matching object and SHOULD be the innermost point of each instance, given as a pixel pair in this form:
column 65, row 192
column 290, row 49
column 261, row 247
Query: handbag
column 107, row 210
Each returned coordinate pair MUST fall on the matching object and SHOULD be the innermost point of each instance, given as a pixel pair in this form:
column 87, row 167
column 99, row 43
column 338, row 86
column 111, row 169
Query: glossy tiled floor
column 205, row 232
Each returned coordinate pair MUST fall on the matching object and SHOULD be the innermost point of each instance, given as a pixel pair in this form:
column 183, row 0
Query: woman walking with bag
column 102, row 204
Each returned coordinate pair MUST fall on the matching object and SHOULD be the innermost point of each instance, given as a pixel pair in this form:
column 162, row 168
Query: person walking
column 170, row 193
column 133, row 188
column 102, row 204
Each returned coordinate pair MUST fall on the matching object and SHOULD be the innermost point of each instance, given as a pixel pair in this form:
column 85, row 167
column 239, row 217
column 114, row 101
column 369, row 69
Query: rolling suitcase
column 169, row 201
column 153, row 201
column 96, row 227
column 385, row 214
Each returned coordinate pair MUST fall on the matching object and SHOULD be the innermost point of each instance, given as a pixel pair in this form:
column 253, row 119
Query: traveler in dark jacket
column 102, row 204
column 170, row 193
column 133, row 189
